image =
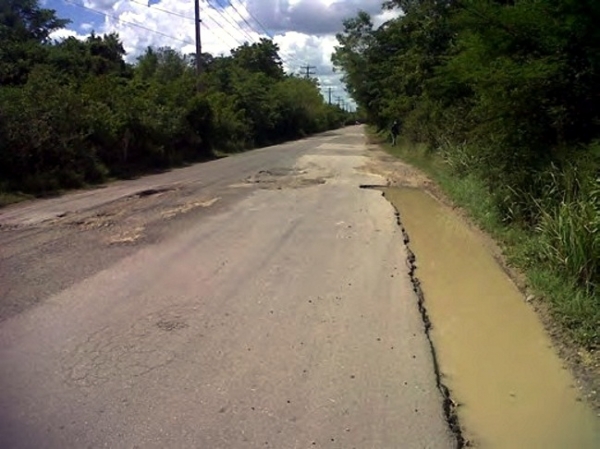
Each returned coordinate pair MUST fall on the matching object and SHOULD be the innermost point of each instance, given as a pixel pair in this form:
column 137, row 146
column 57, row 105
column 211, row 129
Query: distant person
column 394, row 131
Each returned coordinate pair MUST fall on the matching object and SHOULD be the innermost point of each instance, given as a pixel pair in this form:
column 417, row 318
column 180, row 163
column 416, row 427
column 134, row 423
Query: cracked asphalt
column 261, row 300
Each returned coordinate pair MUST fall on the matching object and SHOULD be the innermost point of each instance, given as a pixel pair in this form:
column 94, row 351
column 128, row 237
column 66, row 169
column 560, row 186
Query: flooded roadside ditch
column 493, row 352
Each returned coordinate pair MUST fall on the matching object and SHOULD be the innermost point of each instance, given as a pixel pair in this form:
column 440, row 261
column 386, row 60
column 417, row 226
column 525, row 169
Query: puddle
column 493, row 352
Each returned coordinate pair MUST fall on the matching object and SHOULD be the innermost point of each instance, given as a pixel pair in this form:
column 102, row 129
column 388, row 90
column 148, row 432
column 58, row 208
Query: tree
column 24, row 20
column 24, row 26
column 262, row 57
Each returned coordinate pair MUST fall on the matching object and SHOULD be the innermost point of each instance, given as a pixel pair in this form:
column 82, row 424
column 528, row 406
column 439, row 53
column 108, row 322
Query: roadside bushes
column 43, row 145
column 65, row 135
column 75, row 112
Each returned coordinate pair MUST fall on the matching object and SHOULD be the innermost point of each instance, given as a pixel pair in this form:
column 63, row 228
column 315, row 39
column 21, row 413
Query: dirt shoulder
column 584, row 364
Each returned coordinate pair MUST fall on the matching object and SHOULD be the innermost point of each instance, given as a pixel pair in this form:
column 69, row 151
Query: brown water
column 493, row 352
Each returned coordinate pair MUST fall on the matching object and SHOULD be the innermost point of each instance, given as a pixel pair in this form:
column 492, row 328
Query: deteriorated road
column 261, row 300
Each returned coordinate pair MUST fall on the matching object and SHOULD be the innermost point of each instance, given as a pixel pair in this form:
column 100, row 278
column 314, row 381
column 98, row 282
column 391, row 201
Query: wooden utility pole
column 308, row 70
column 198, row 44
column 329, row 90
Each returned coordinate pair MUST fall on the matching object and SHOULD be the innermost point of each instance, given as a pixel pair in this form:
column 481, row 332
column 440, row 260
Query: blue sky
column 68, row 11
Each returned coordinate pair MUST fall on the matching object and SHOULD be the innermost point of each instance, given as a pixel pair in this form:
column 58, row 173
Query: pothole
column 150, row 192
column 171, row 325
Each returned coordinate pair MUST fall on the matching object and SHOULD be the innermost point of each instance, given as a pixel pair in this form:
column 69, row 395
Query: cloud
column 87, row 27
column 315, row 17
column 65, row 33
column 101, row 5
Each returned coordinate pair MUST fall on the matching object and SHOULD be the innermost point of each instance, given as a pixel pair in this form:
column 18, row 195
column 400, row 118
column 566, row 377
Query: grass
column 7, row 198
column 575, row 309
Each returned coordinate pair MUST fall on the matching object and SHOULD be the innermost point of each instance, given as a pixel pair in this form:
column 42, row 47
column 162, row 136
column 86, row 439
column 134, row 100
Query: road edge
column 448, row 404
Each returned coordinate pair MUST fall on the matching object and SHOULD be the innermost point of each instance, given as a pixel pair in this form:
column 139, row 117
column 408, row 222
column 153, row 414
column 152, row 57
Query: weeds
column 570, row 241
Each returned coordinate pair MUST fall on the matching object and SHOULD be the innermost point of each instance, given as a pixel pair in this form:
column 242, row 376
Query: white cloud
column 318, row 17
column 65, row 33
column 101, row 5
column 87, row 27
column 385, row 16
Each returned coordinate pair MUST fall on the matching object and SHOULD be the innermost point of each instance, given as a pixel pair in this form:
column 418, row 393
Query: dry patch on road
column 126, row 220
column 285, row 178
column 188, row 206
column 395, row 172
column 127, row 236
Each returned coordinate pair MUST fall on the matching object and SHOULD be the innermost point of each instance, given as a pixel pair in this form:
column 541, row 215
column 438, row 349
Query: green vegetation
column 499, row 102
column 75, row 112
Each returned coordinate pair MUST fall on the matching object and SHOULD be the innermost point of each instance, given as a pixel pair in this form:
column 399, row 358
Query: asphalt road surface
column 261, row 300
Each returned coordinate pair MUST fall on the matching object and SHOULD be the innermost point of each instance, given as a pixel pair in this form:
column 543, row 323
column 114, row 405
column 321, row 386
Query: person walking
column 394, row 131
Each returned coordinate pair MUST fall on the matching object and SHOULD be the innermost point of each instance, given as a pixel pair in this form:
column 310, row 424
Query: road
column 261, row 300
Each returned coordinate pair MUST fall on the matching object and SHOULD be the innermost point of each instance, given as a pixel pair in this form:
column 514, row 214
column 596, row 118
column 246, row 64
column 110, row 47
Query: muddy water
column 492, row 349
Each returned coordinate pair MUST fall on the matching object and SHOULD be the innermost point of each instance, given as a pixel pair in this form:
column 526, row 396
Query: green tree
column 262, row 57
column 24, row 27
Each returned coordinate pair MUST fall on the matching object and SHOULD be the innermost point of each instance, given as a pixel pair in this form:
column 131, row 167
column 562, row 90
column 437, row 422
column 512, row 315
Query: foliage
column 74, row 111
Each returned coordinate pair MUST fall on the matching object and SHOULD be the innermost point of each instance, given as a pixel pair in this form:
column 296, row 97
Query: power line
column 289, row 56
column 183, row 16
column 286, row 58
column 156, row 8
column 229, row 18
column 225, row 14
column 240, row 15
column 255, row 19
column 118, row 19
column 242, row 32
column 220, row 25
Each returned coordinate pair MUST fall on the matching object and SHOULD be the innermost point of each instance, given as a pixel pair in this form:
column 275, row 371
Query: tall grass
column 569, row 224
column 570, row 241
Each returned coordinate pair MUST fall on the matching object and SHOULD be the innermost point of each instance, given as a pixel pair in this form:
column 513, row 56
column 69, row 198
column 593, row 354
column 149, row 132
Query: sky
column 304, row 29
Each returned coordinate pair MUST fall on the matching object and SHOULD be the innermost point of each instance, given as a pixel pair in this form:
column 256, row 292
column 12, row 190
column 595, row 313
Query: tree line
column 75, row 111
column 505, row 91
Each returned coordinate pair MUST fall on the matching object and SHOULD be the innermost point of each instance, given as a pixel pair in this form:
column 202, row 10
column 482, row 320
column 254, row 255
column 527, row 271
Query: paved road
column 261, row 300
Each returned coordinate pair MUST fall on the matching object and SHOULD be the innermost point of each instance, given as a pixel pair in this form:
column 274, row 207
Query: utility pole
column 339, row 102
column 308, row 70
column 198, row 44
column 329, row 90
